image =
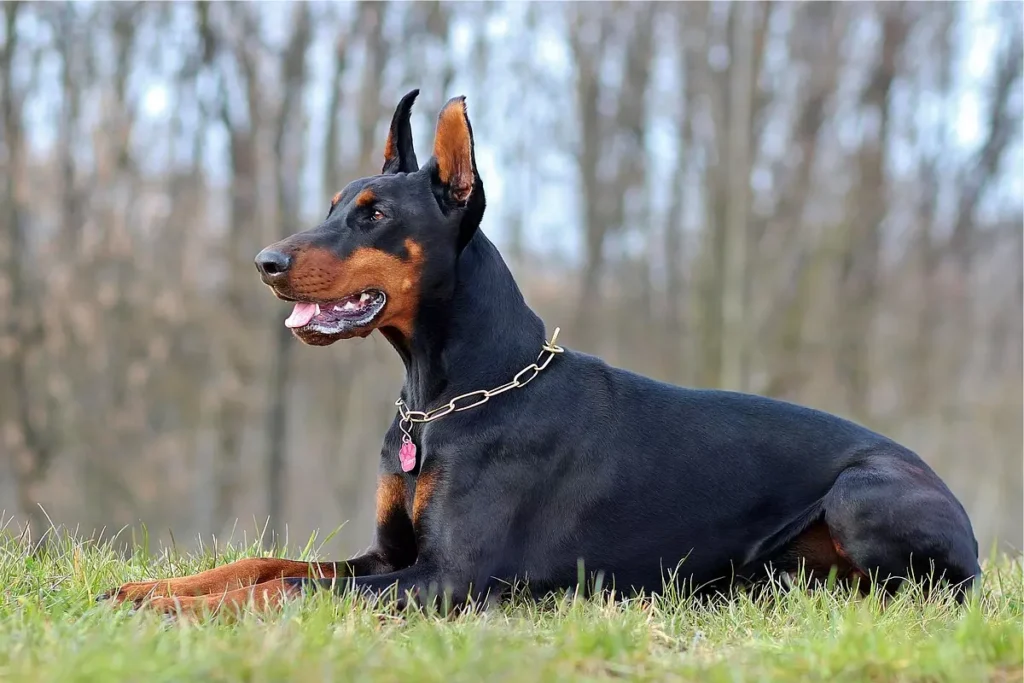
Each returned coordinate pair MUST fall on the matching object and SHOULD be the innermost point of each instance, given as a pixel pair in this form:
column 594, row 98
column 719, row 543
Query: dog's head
column 389, row 243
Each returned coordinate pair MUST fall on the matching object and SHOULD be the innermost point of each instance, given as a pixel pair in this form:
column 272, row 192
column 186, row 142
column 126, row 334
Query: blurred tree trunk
column 113, row 271
column 860, row 259
column 814, row 46
column 368, row 115
column 731, row 107
column 612, row 140
column 518, row 160
column 709, row 264
column 331, row 173
column 70, row 100
column 926, row 244
column 742, row 83
column 923, row 373
column 674, row 345
column 25, row 441
column 587, row 56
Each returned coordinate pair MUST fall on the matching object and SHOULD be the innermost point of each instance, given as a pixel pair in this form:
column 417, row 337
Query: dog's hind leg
column 894, row 520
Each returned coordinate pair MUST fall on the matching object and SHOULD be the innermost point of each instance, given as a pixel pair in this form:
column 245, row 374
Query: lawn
column 51, row 629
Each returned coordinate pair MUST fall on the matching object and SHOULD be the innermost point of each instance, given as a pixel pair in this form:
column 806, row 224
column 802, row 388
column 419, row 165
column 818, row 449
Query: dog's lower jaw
column 314, row 338
column 311, row 335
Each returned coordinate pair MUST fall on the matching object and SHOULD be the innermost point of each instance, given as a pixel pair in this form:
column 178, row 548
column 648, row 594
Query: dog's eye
column 377, row 216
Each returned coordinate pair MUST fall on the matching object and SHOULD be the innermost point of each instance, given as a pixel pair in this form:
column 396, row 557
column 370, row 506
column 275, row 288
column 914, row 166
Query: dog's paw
column 130, row 592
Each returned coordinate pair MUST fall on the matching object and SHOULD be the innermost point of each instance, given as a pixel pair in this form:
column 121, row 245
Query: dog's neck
column 478, row 339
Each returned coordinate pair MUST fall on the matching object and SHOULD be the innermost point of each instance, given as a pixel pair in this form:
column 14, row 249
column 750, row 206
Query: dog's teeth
column 317, row 310
column 364, row 297
column 349, row 306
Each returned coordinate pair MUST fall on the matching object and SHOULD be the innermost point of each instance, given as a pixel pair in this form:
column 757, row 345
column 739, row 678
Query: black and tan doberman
column 513, row 459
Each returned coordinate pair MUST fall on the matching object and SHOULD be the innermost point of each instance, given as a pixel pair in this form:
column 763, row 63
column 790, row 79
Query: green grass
column 51, row 629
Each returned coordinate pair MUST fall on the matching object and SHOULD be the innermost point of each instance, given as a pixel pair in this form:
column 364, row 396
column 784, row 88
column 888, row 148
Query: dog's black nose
column 272, row 264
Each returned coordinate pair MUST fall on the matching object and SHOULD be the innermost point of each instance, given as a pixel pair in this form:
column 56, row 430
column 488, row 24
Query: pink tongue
column 301, row 315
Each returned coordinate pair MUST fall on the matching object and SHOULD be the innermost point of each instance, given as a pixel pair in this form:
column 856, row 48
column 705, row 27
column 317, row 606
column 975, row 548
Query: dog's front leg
column 244, row 573
column 418, row 584
column 395, row 547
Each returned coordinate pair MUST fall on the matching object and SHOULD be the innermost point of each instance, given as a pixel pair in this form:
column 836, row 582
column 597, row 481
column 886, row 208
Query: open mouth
column 339, row 316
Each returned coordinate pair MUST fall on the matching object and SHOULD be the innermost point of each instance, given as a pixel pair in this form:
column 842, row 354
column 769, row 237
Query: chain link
column 481, row 396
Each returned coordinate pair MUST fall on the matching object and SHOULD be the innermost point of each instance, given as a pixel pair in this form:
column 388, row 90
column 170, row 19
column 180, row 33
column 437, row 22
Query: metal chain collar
column 480, row 396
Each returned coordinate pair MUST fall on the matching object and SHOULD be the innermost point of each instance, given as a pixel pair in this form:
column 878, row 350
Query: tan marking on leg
column 390, row 497
column 263, row 597
column 426, row 483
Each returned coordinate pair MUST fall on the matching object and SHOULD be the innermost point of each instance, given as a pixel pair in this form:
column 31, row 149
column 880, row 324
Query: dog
column 512, row 459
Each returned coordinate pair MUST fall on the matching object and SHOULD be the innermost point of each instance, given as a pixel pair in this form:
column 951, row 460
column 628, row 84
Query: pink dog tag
column 407, row 456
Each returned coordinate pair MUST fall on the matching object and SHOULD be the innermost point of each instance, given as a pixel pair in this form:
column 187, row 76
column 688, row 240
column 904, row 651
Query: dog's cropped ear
column 399, row 155
column 453, row 152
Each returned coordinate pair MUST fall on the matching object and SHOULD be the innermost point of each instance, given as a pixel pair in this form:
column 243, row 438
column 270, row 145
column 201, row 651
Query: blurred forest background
column 818, row 201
